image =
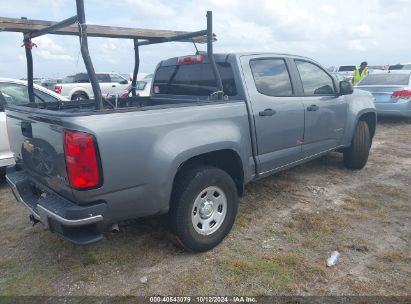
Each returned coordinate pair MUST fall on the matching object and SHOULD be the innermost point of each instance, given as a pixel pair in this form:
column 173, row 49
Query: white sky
column 332, row 32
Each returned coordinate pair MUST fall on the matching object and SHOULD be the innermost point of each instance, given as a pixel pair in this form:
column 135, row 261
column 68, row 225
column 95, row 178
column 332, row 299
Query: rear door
column 106, row 86
column 325, row 111
column 278, row 114
column 118, row 83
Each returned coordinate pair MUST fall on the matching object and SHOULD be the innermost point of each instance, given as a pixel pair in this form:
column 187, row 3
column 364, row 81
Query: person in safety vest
column 360, row 73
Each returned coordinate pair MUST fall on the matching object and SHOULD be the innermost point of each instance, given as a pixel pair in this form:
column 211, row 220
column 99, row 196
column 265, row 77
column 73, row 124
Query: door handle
column 267, row 112
column 313, row 108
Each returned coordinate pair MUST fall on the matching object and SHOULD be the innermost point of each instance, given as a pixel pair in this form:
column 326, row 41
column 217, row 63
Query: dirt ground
column 287, row 226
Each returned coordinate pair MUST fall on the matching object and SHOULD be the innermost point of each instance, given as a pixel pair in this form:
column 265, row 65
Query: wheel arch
column 79, row 91
column 371, row 119
column 227, row 160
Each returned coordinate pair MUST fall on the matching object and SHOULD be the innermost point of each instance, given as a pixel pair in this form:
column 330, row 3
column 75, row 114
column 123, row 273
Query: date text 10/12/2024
column 205, row 299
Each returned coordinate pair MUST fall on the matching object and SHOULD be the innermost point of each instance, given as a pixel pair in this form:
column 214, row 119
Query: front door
column 118, row 83
column 278, row 114
column 325, row 111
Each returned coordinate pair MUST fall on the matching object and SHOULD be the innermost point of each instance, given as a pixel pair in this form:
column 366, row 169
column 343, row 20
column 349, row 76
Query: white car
column 143, row 88
column 78, row 86
column 14, row 91
column 347, row 71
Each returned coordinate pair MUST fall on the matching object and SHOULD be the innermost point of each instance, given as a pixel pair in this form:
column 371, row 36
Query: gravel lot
column 288, row 225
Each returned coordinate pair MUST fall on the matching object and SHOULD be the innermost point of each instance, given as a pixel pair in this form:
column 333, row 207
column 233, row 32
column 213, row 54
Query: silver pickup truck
column 181, row 152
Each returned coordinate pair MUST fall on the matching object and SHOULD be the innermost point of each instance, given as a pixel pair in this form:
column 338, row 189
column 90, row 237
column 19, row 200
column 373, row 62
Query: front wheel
column 356, row 156
column 203, row 207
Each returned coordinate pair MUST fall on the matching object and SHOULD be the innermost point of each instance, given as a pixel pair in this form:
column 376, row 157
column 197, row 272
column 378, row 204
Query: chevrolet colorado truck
column 181, row 152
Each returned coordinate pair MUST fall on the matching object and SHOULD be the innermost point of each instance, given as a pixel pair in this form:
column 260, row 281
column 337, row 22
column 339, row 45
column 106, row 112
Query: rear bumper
column 400, row 108
column 4, row 162
column 81, row 225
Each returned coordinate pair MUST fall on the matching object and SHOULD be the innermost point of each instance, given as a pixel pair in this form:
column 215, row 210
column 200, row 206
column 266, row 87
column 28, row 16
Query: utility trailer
column 77, row 26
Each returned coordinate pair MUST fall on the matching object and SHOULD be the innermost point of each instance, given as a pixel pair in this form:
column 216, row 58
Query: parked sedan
column 391, row 90
column 13, row 91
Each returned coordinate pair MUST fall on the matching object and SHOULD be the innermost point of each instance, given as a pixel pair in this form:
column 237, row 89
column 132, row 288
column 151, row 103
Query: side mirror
column 346, row 87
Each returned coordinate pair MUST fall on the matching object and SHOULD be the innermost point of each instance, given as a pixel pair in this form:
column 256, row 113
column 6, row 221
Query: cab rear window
column 193, row 80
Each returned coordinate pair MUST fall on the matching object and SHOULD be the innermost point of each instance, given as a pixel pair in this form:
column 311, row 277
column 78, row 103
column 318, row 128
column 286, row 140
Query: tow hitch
column 33, row 220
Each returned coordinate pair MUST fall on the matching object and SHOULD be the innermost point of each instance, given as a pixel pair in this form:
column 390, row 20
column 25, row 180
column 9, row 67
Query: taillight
column 404, row 94
column 81, row 160
column 57, row 89
column 124, row 94
column 191, row 59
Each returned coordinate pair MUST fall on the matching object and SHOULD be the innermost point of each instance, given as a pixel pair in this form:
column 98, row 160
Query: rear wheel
column 79, row 96
column 203, row 207
column 356, row 156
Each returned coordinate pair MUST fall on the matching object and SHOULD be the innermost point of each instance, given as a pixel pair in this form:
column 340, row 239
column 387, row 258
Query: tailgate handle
column 26, row 129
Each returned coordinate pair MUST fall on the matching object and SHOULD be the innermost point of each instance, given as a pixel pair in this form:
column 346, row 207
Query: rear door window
column 314, row 79
column 386, row 79
column 81, row 78
column 43, row 97
column 193, row 80
column 271, row 77
column 103, row 78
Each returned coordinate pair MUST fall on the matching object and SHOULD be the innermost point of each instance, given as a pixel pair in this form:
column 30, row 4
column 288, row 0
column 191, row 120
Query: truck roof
column 220, row 57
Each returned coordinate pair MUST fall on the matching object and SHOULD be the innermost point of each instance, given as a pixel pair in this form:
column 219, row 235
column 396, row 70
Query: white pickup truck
column 78, row 86
column 13, row 91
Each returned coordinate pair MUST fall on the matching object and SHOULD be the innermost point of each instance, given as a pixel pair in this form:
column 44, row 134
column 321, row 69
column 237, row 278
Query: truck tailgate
column 37, row 144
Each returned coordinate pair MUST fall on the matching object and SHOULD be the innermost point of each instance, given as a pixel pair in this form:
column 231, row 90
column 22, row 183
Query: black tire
column 356, row 156
column 2, row 175
column 79, row 96
column 188, row 186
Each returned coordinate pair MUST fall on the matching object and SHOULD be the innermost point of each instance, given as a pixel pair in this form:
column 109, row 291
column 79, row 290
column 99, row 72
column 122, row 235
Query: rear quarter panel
column 141, row 151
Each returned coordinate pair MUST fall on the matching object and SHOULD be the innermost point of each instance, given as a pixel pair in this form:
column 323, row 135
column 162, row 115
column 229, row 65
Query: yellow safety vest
column 357, row 76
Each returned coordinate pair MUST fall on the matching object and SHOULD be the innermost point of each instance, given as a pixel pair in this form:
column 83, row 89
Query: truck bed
column 136, row 146
column 87, row 107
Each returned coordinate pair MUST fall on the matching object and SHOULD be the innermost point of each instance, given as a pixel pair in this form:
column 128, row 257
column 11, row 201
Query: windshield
column 386, row 79
column 400, row 67
column 68, row 79
column 140, row 85
column 346, row 68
